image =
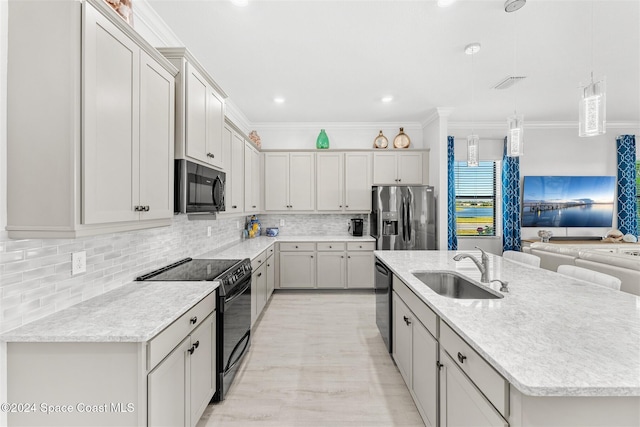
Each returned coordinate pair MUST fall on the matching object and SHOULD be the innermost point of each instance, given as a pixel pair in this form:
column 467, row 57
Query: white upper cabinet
column 343, row 181
column 92, row 137
column 234, row 144
column 199, row 110
column 289, row 181
column 251, row 178
column 399, row 168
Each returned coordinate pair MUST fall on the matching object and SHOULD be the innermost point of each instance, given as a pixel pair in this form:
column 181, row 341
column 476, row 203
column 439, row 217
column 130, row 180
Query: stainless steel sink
column 452, row 285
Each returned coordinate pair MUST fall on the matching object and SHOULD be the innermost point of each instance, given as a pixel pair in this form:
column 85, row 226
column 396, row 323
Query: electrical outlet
column 282, row 223
column 78, row 262
column 209, row 231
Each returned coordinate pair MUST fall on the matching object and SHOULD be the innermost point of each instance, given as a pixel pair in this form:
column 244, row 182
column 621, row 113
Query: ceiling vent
column 508, row 81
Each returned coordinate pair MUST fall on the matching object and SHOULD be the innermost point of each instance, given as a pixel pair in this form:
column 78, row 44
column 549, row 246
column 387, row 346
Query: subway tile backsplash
column 35, row 274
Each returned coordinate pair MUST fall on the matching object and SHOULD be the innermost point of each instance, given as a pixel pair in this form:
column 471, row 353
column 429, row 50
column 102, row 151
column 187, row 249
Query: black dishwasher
column 383, row 289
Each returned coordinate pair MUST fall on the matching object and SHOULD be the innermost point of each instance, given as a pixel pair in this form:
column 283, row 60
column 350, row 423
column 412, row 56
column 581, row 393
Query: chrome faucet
column 482, row 266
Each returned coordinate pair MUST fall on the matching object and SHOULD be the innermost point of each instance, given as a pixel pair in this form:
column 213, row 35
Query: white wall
column 3, row 176
column 345, row 136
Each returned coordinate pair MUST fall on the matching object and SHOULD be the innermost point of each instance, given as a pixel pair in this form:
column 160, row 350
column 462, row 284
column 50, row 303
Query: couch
column 618, row 260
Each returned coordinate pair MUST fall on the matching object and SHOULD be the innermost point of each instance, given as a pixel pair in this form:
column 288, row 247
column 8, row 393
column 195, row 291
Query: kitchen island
column 569, row 350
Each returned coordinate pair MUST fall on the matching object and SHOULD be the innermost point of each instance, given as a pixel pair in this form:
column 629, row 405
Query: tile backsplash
column 35, row 274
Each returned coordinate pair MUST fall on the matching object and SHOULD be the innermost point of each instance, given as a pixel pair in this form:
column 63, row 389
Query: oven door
column 234, row 332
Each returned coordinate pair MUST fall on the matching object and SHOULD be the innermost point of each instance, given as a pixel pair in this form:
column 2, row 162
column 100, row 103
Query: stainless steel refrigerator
column 403, row 218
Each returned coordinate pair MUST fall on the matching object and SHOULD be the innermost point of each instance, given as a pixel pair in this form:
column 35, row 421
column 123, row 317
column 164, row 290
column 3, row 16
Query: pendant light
column 473, row 140
column 593, row 111
column 515, row 122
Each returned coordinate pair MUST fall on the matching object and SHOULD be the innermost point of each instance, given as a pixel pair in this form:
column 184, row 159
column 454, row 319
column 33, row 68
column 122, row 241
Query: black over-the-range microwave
column 198, row 189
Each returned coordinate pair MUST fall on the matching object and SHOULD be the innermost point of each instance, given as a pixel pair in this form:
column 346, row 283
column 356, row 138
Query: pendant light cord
column 515, row 60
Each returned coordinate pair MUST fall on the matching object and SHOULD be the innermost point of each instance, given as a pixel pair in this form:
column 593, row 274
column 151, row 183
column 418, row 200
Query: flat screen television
column 568, row 201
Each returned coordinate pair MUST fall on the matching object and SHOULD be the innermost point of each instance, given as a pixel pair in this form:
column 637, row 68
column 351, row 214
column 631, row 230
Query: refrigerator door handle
column 408, row 221
column 404, row 223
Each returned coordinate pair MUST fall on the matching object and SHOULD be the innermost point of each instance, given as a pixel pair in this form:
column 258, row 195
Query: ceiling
column 333, row 61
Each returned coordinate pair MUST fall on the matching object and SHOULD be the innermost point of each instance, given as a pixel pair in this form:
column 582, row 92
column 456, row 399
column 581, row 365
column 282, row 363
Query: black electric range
column 233, row 319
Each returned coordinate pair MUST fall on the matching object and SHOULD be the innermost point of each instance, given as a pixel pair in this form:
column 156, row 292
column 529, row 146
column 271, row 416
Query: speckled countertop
column 135, row 312
column 551, row 335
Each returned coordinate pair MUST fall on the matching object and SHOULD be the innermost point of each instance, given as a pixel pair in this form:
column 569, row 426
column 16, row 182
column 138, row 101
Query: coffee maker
column 355, row 226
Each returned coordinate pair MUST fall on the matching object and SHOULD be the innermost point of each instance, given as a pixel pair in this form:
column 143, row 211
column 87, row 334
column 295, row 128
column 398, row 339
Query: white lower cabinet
column 297, row 270
column 415, row 351
column 461, row 402
column 360, row 269
column 182, row 385
column 271, row 273
column 331, row 270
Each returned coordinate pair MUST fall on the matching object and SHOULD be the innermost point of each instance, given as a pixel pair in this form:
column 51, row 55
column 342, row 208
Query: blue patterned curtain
column 627, row 196
column 452, row 238
column 510, row 201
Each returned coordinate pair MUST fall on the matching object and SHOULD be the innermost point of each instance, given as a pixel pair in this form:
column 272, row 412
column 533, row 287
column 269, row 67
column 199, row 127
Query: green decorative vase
column 323, row 140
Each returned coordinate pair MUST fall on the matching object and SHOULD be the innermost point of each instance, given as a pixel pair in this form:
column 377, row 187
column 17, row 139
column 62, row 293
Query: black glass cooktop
column 192, row 270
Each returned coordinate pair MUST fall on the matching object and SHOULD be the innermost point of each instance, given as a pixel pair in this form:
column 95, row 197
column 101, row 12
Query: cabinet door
column 196, row 114
column 384, row 169
column 271, row 276
column 202, row 367
column 235, row 180
column 276, row 181
column 461, row 403
column 111, row 123
column 297, row 270
column 255, row 185
column 330, row 182
column 402, row 340
column 331, row 270
column 302, row 181
column 215, row 127
column 425, row 373
column 157, row 112
column 166, row 389
column 262, row 288
column 410, row 167
column 357, row 181
column 360, row 269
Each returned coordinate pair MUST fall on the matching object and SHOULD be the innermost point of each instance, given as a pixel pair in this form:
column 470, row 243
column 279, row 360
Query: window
column 476, row 195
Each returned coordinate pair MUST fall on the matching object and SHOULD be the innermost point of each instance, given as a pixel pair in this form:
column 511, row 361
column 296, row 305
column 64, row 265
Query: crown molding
column 144, row 12
column 538, row 125
column 236, row 116
column 337, row 125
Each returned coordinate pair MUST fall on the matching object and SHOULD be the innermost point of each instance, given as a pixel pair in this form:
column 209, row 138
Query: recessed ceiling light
column 240, row 3
column 278, row 100
column 387, row 98
column 445, row 3
column 472, row 48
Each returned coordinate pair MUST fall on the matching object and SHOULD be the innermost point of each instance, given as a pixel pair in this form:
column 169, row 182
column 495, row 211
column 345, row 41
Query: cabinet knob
column 439, row 365
column 193, row 320
column 259, row 274
column 137, row 208
column 268, row 265
column 330, row 246
column 196, row 344
column 347, row 206
column 311, row 256
column 408, row 321
column 146, row 208
column 253, row 206
column 191, row 350
column 296, row 246
column 340, row 206
column 349, row 256
column 461, row 357
column 234, row 206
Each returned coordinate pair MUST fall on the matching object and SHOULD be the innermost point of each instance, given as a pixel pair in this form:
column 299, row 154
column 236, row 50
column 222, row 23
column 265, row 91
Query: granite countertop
column 135, row 312
column 251, row 248
column 550, row 335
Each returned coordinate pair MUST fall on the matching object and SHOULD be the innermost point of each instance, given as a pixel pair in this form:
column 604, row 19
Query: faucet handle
column 504, row 285
column 484, row 254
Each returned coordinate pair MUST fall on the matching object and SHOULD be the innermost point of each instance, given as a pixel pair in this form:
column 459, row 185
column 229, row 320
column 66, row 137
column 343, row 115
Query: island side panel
column 104, row 378
column 580, row 411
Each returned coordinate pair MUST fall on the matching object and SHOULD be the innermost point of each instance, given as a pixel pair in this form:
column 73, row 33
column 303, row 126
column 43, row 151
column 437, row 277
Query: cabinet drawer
column 258, row 261
column 426, row 316
column 170, row 337
column 491, row 383
column 361, row 246
column 297, row 246
column 270, row 251
column 331, row 246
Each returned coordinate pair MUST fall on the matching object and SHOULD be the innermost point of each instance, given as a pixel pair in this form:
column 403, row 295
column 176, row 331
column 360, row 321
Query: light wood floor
column 317, row 359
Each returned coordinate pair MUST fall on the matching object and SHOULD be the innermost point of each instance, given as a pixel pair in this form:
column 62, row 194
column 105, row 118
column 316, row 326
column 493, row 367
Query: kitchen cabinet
column 343, row 182
column 233, row 144
column 415, row 350
column 182, row 385
column 399, row 168
column 360, row 264
column 199, row 111
column 271, row 272
column 331, row 265
column 251, row 178
column 297, row 265
column 110, row 107
column 289, row 181
column 167, row 379
column 258, row 286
